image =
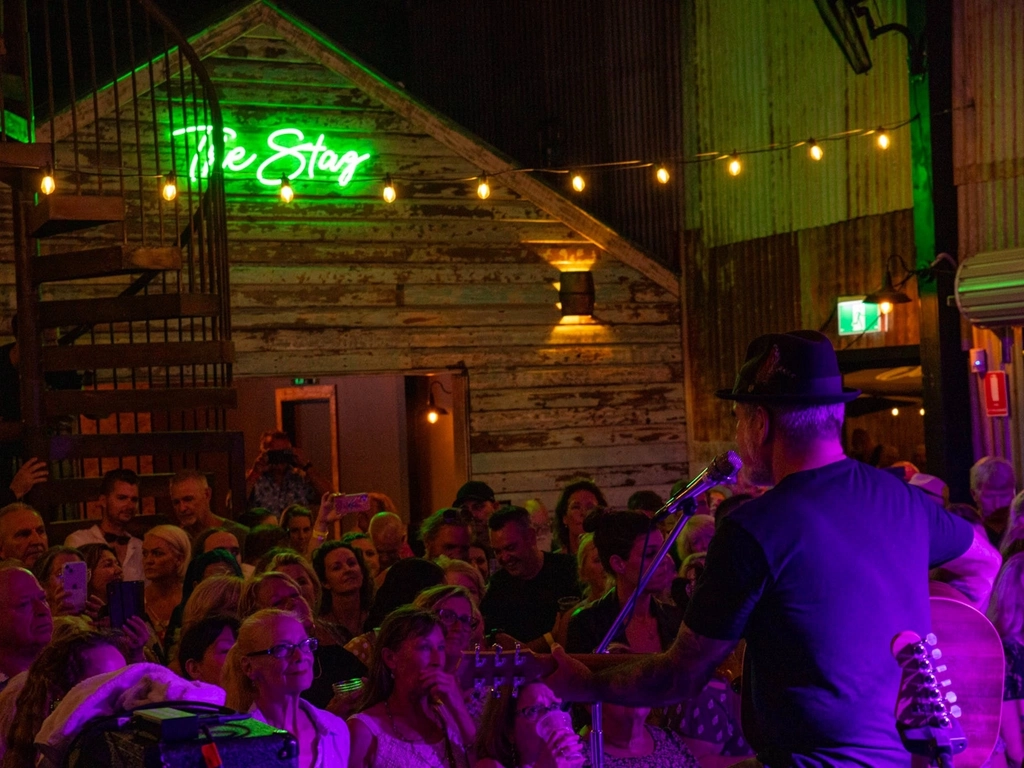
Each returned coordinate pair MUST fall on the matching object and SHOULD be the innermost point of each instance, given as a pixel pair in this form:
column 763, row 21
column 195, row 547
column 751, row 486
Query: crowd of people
column 346, row 628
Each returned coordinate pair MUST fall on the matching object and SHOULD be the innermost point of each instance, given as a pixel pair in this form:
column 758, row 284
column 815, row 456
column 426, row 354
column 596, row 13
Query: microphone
column 720, row 471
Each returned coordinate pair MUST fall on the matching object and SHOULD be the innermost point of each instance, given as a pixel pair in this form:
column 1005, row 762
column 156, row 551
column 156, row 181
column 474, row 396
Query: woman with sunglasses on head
column 527, row 731
column 267, row 670
column 463, row 630
column 410, row 703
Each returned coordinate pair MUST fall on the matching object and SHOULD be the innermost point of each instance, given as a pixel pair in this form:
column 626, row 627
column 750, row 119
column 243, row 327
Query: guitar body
column 973, row 654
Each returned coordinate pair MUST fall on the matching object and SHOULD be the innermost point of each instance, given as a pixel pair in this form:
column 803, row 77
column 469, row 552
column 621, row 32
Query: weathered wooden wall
column 339, row 282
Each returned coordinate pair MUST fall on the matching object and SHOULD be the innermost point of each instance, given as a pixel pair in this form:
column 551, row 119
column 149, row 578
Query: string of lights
column 577, row 180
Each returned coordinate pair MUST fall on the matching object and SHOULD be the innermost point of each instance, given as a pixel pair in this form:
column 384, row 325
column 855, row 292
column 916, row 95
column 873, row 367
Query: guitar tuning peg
column 517, row 683
column 936, row 653
column 516, row 660
column 931, row 639
column 497, row 687
column 477, row 660
column 940, row 668
column 498, row 660
column 951, row 697
column 955, row 711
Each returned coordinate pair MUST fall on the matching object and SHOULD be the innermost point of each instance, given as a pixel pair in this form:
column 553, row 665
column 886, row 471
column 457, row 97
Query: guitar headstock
column 927, row 715
column 499, row 668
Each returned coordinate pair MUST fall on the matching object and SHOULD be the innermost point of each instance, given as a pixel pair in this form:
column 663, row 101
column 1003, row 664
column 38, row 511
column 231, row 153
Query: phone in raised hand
column 74, row 578
column 348, row 503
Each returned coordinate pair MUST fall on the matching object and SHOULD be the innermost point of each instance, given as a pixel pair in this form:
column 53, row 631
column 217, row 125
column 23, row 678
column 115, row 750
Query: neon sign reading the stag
column 287, row 154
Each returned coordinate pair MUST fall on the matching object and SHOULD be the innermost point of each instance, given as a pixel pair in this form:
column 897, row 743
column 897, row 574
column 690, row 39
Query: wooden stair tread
column 57, row 214
column 116, row 309
column 77, row 489
column 103, row 402
column 90, row 357
column 143, row 444
column 14, row 154
column 98, row 262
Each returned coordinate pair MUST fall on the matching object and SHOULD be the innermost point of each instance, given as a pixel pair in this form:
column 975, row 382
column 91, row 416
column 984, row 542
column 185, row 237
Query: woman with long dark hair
column 412, row 713
column 577, row 500
column 347, row 589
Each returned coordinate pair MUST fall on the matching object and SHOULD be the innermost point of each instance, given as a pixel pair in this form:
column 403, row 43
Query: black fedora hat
column 795, row 368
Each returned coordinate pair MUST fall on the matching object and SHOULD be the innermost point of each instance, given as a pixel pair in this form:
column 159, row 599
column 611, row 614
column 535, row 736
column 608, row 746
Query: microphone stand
column 720, row 471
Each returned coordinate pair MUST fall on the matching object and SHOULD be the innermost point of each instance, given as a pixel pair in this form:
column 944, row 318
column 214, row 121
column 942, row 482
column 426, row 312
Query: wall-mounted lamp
column 434, row 411
column 889, row 295
column 576, row 293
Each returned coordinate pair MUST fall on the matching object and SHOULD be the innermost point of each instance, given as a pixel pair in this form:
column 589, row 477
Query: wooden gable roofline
column 325, row 52
column 322, row 50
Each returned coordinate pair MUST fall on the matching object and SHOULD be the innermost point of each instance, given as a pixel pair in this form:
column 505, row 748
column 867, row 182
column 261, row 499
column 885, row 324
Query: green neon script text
column 287, row 154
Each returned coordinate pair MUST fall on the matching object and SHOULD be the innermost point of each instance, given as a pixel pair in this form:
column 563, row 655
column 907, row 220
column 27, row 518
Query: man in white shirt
column 119, row 498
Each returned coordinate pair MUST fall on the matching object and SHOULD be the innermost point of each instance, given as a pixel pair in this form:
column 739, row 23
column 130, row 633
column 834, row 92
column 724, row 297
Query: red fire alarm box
column 997, row 403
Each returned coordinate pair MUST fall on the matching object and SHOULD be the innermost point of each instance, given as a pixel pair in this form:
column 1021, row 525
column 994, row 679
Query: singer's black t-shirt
column 818, row 575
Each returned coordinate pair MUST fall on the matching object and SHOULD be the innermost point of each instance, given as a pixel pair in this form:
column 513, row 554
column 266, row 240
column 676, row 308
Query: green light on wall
column 284, row 153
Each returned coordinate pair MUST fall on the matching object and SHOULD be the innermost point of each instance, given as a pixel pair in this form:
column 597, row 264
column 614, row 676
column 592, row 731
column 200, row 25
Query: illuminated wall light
column 815, row 150
column 921, row 411
column 286, row 193
column 895, row 411
column 169, row 191
column 576, row 293
column 885, row 307
column 662, row 174
column 483, row 189
column 883, row 139
column 389, row 190
column 48, row 184
column 578, row 182
column 434, row 411
column 735, row 165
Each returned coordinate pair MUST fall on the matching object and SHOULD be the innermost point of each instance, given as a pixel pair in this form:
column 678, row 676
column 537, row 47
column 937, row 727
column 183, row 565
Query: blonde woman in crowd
column 462, row 574
column 166, row 552
column 302, row 573
column 594, row 580
column 267, row 670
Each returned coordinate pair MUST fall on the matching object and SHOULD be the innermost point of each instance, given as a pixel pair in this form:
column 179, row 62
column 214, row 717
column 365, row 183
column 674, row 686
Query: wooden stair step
column 117, row 309
column 103, row 402
column 145, row 444
column 98, row 262
column 57, row 214
column 78, row 489
column 14, row 154
column 91, row 357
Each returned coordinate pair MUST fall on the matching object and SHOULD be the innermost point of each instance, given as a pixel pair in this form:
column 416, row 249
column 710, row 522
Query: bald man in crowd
column 25, row 621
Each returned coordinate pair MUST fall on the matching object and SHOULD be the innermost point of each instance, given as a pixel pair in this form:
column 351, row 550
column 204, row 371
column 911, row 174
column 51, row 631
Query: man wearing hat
column 477, row 498
column 803, row 576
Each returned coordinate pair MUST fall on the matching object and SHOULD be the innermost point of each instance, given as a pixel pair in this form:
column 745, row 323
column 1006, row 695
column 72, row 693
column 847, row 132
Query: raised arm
column 975, row 571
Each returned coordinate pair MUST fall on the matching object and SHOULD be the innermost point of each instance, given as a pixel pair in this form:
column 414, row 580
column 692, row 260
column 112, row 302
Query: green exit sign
column 856, row 317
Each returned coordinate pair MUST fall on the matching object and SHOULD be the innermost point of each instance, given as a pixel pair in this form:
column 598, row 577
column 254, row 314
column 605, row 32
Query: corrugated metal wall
column 770, row 72
column 988, row 124
column 557, row 82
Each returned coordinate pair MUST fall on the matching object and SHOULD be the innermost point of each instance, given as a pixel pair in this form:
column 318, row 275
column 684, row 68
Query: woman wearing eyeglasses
column 463, row 630
column 411, row 705
column 527, row 731
column 266, row 671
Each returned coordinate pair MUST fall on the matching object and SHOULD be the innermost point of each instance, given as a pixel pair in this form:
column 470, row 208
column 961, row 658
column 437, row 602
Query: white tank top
column 393, row 752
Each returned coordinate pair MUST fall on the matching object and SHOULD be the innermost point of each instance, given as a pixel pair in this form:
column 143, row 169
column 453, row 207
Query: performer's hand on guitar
column 571, row 680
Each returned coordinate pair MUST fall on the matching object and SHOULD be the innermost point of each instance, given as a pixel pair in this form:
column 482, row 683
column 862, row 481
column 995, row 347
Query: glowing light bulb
column 662, row 174
column 389, row 190
column 883, row 139
column 432, row 416
column 885, row 307
column 286, row 192
column 815, row 150
column 483, row 189
column 895, row 411
column 169, row 191
column 921, row 411
column 735, row 166
column 578, row 183
column 48, row 184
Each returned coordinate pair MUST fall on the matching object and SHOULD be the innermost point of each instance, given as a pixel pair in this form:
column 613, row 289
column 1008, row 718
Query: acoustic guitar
column 971, row 660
